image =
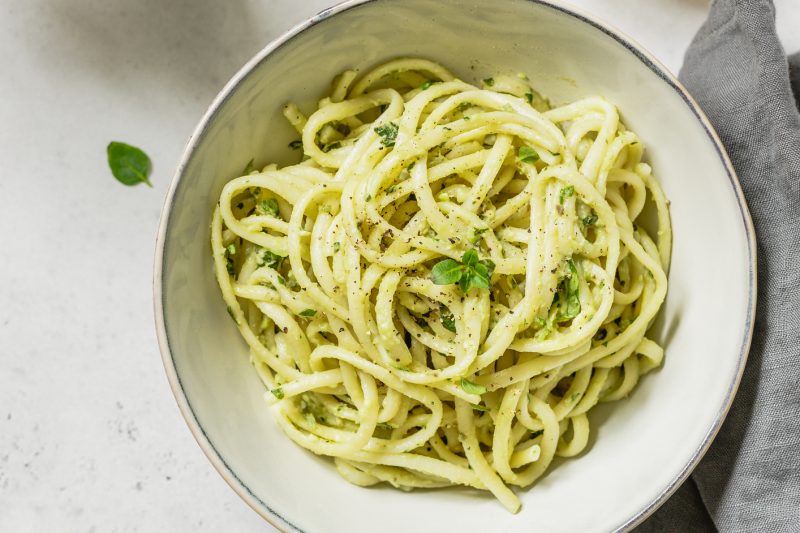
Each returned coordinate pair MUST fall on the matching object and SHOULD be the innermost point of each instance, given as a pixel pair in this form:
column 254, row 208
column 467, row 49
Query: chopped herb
column 308, row 312
column 387, row 133
column 249, row 167
column 589, row 220
column 269, row 258
column 336, row 247
column 331, row 146
column 368, row 198
column 568, row 295
column 575, row 396
column 489, row 82
column 529, row 97
column 230, row 251
column 268, row 207
column 391, row 189
column 472, row 388
column 566, row 192
column 130, row 165
column 527, row 154
column 476, row 234
column 449, row 322
column 278, row 393
column 427, row 84
column 539, row 322
column 296, row 145
column 481, row 408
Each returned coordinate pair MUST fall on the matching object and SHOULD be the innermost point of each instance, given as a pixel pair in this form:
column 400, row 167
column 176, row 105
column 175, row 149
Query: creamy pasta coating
column 449, row 280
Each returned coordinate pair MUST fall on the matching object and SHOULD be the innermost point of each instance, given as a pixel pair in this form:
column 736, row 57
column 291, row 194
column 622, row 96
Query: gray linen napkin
column 750, row 478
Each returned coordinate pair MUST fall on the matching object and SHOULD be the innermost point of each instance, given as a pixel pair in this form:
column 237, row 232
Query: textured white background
column 90, row 437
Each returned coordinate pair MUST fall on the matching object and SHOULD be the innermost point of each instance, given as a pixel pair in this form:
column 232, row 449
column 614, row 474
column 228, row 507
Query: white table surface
column 90, row 437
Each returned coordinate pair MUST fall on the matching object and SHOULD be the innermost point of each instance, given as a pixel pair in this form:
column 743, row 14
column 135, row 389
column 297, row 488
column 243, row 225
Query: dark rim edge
column 205, row 443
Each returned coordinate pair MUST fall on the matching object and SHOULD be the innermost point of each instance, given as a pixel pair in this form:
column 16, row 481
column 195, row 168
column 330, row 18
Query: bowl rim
column 641, row 53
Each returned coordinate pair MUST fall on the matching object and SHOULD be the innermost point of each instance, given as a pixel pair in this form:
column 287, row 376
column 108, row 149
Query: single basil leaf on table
column 129, row 164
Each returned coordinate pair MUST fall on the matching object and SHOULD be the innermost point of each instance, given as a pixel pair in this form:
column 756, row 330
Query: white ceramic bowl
column 641, row 448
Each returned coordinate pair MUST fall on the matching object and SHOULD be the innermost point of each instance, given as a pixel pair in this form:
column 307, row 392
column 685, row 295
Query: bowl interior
column 639, row 446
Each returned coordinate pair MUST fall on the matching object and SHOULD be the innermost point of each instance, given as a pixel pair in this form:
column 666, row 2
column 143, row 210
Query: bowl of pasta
column 493, row 256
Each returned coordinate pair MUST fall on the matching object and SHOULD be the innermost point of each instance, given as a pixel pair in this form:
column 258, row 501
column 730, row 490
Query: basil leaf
column 470, row 257
column 472, row 388
column 130, row 165
column 447, row 272
column 526, row 154
column 481, row 276
column 308, row 312
column 387, row 133
column 566, row 192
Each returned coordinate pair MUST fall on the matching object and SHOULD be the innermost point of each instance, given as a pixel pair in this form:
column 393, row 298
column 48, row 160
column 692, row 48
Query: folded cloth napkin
column 749, row 480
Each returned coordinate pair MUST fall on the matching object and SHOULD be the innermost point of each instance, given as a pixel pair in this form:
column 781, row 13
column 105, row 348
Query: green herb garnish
column 387, row 133
column 230, row 251
column 481, row 408
column 529, row 97
column 278, row 393
column 472, row 388
column 130, row 165
column 566, row 192
column 589, row 220
column 527, row 154
column 469, row 273
column 568, row 294
column 488, row 81
column 476, row 234
column 269, row 258
column 427, row 84
column 449, row 322
column 308, row 312
column 336, row 247
column 268, row 207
